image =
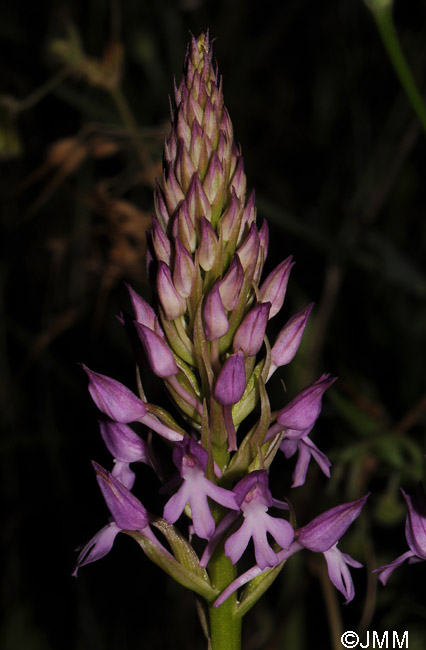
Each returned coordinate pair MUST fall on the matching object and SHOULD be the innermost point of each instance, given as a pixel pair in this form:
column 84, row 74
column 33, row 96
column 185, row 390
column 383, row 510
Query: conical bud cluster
column 207, row 251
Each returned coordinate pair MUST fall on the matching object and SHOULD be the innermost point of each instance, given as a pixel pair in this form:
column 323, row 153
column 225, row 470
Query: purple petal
column 188, row 452
column 274, row 288
column 306, row 449
column 160, row 242
column 257, row 479
column 415, row 526
column 221, row 495
column 183, row 270
column 251, row 332
column 158, row 352
column 191, row 459
column 209, row 244
column 143, row 311
column 230, row 218
column 249, row 250
column 237, row 543
column 124, row 474
column 114, row 399
column 324, row 531
column 339, row 573
column 288, row 340
column 173, row 304
column 98, row 546
column 230, row 285
column 176, row 504
column 215, row 319
column 264, row 554
column 387, row 569
column 303, row 410
column 202, row 518
column 231, row 382
column 122, row 442
column 127, row 511
column 254, row 497
column 281, row 531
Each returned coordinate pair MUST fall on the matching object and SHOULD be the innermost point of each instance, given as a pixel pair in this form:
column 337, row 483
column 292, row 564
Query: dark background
column 337, row 158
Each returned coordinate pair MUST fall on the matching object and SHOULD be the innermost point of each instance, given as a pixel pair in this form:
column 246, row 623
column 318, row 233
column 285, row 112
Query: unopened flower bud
column 215, row 320
column 172, row 190
column 208, row 249
column 264, row 239
column 183, row 228
column 183, row 270
column 250, row 334
column 161, row 242
column 160, row 206
column 158, row 352
column 230, row 285
column 198, row 203
column 231, row 382
column 173, row 304
column 249, row 214
column 239, row 182
column 249, row 250
column 214, row 184
column 143, row 311
column 274, row 288
column 113, row 398
column 288, row 340
column 126, row 509
column 184, row 167
column 324, row 531
column 230, row 219
column 303, row 410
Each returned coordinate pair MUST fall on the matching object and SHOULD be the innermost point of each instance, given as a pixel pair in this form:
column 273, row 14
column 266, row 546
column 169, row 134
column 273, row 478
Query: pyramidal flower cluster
column 204, row 335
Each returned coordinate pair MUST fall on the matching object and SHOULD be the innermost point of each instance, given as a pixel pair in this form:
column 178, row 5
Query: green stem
column 225, row 627
column 382, row 12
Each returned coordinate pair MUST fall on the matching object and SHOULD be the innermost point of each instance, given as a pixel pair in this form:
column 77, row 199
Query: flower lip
column 254, row 498
column 191, row 459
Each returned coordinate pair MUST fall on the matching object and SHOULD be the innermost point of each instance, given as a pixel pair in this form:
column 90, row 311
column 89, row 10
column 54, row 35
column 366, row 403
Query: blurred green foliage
column 337, row 157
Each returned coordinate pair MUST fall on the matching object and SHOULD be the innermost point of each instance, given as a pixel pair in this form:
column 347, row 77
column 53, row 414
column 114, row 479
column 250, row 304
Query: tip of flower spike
column 201, row 44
